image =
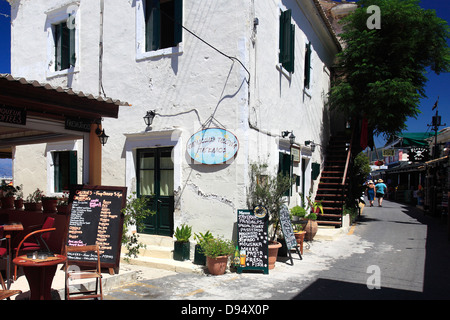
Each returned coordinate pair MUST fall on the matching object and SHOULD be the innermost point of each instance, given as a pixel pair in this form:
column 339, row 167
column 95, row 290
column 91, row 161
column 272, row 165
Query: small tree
column 135, row 212
column 268, row 191
column 381, row 72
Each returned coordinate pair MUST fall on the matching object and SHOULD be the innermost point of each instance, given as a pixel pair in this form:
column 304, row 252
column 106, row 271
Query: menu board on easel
column 286, row 228
column 253, row 240
column 96, row 218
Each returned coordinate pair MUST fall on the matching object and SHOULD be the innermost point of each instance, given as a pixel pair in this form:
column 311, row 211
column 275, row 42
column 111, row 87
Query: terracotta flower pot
column 18, row 203
column 49, row 205
column 33, row 206
column 311, row 229
column 300, row 236
column 7, row 202
column 217, row 266
column 62, row 209
column 273, row 253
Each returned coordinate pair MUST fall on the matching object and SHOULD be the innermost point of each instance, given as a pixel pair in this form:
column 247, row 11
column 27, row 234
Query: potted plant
column 182, row 246
column 268, row 191
column 299, row 235
column 62, row 205
column 7, row 198
column 199, row 255
column 297, row 213
column 18, row 202
column 49, row 204
column 217, row 251
column 33, row 201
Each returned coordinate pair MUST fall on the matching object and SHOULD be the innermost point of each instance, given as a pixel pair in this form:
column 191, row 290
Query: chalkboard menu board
column 253, row 240
column 96, row 217
column 286, row 228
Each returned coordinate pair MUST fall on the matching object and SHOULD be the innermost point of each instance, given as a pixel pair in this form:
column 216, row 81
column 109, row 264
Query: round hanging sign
column 212, row 146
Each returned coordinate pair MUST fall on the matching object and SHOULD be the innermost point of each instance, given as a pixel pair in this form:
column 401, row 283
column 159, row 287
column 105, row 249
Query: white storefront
column 224, row 72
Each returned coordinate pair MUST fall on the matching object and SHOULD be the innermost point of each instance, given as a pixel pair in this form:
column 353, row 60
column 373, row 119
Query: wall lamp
column 313, row 145
column 101, row 133
column 291, row 136
column 148, row 118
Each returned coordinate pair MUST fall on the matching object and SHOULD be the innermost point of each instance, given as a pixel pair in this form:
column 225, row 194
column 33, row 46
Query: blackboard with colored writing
column 253, row 240
column 96, row 218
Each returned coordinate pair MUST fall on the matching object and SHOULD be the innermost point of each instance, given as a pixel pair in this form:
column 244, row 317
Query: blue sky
column 437, row 86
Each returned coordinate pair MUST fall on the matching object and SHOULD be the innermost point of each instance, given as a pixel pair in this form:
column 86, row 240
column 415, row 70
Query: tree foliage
column 381, row 73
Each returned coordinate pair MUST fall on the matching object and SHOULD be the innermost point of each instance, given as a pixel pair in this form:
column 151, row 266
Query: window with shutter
column 287, row 40
column 163, row 24
column 65, row 169
column 64, row 46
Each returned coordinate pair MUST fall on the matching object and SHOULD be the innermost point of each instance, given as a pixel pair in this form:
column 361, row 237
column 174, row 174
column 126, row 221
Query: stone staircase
column 331, row 191
column 159, row 254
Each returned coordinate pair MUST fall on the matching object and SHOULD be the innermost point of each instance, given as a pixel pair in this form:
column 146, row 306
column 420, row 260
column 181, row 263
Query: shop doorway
column 155, row 180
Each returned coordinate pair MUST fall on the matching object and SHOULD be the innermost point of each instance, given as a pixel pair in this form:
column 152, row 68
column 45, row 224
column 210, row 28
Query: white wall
column 188, row 88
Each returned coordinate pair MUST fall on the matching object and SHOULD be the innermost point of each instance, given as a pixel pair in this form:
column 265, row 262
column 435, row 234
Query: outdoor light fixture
column 313, row 145
column 101, row 133
column 148, row 118
column 103, row 137
column 291, row 136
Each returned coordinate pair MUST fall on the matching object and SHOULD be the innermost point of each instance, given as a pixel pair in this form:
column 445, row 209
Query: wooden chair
column 77, row 274
column 41, row 238
column 5, row 293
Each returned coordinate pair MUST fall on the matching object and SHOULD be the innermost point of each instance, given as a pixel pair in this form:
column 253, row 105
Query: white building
column 221, row 70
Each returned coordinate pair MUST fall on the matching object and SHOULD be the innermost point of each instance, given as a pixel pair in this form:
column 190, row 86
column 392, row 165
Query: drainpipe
column 100, row 51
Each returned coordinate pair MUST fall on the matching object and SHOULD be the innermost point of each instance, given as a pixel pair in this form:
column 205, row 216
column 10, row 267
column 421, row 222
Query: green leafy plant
column 183, row 233
column 314, row 205
column 311, row 216
column 36, row 196
column 7, row 189
column 298, row 211
column 19, row 192
column 135, row 212
column 203, row 238
column 218, row 246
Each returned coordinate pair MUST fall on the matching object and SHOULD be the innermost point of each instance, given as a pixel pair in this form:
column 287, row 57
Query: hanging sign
column 212, row 146
column 419, row 154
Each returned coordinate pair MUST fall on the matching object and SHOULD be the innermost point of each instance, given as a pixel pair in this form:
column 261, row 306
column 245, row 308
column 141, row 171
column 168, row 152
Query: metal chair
column 41, row 238
column 77, row 274
column 5, row 252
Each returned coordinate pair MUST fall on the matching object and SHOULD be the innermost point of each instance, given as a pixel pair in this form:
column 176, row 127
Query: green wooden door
column 155, row 180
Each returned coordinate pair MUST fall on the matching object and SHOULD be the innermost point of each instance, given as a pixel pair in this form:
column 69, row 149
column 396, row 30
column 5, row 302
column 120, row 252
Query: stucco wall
column 192, row 88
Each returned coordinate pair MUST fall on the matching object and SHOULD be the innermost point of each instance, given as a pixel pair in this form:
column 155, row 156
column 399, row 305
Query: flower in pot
column 33, row 201
column 18, row 202
column 199, row 255
column 217, row 251
column 62, row 204
column 8, row 192
column 182, row 248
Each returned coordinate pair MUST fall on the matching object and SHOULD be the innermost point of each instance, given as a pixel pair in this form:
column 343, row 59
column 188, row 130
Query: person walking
column 370, row 192
column 380, row 188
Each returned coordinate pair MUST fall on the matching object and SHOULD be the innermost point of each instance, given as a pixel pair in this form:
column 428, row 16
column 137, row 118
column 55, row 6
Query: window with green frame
column 163, row 24
column 287, row 40
column 65, row 169
column 64, row 46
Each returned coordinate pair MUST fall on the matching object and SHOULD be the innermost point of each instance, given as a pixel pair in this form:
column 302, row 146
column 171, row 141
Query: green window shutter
column 73, row 176
column 152, row 25
column 315, row 170
column 72, row 55
column 308, row 65
column 178, row 29
column 286, row 41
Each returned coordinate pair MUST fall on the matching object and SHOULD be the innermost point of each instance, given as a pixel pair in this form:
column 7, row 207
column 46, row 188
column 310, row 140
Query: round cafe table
column 39, row 274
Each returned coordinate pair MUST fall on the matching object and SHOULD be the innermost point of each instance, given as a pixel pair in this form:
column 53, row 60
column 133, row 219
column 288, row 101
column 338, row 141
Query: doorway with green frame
column 155, row 179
